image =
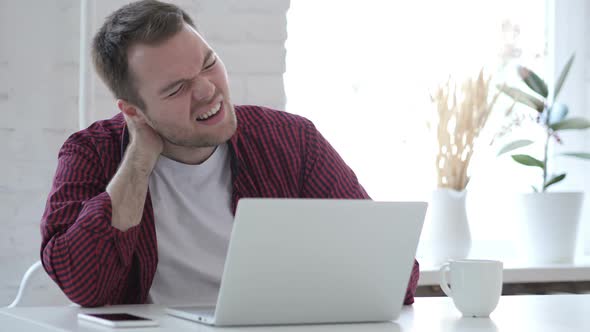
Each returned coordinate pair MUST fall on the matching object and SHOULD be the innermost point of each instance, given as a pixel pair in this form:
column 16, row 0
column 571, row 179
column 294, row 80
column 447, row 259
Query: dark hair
column 146, row 22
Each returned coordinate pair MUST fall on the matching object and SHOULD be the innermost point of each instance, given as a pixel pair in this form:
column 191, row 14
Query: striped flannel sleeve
column 80, row 250
column 326, row 175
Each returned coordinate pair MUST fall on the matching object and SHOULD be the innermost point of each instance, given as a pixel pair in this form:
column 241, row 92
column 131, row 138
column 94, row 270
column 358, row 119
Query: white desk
column 561, row 313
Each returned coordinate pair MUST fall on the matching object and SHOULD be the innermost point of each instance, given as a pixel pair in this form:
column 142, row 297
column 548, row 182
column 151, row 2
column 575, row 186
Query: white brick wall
column 39, row 52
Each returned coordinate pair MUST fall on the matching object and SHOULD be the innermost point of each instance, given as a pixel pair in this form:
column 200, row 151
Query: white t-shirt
column 192, row 210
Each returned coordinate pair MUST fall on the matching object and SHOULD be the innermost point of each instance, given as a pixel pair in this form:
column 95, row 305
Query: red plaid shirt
column 273, row 154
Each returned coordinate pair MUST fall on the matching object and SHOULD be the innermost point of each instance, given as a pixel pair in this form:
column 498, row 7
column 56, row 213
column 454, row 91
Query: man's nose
column 203, row 90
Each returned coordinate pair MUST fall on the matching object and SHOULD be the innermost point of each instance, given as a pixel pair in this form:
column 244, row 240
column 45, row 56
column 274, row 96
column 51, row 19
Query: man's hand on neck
column 128, row 188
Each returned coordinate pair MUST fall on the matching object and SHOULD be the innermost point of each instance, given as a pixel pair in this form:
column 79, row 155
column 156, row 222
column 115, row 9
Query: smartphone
column 118, row 319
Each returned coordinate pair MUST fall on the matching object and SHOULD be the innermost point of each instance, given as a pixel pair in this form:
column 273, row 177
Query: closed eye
column 175, row 92
column 213, row 62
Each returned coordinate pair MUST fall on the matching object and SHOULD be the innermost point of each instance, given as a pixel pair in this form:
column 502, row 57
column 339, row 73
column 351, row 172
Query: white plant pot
column 549, row 225
column 449, row 229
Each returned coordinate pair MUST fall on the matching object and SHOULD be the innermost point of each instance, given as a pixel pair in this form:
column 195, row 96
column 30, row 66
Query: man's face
column 184, row 86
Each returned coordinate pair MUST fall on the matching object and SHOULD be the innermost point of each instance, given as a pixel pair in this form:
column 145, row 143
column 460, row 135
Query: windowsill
column 522, row 272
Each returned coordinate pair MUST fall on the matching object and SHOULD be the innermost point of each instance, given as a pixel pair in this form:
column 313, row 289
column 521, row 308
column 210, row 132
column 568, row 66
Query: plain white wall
column 571, row 28
column 39, row 61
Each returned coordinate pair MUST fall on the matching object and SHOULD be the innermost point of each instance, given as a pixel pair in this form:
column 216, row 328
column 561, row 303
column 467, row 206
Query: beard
column 187, row 138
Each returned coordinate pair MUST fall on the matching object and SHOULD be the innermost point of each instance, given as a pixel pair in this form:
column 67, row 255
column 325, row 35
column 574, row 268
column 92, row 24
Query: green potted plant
column 551, row 219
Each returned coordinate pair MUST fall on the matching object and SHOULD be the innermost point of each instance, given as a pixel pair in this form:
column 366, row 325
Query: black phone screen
column 118, row 317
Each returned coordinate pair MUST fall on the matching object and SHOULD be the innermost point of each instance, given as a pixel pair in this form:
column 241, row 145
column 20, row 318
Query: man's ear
column 127, row 108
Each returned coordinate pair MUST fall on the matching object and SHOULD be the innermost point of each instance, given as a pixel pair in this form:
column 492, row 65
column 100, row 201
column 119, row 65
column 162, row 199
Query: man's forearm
column 80, row 251
column 128, row 188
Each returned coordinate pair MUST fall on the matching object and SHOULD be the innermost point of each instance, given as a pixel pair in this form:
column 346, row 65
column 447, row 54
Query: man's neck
column 186, row 155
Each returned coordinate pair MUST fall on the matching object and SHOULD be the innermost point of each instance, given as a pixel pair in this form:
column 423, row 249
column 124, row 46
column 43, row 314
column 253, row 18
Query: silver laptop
column 304, row 261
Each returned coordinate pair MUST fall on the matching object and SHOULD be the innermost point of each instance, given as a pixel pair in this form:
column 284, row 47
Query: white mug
column 476, row 285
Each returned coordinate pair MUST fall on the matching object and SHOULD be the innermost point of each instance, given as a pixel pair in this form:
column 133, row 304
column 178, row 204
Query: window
column 362, row 71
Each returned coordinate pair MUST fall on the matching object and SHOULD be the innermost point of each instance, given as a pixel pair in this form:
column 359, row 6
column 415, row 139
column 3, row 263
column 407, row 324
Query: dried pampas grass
column 460, row 117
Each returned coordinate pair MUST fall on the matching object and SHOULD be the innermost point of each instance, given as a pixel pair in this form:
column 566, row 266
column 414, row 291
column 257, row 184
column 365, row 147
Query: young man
column 174, row 162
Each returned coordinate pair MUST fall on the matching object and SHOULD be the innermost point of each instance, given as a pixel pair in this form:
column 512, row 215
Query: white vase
column 449, row 228
column 549, row 225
